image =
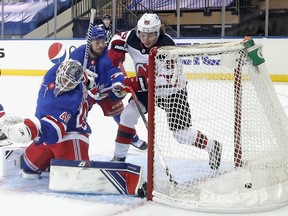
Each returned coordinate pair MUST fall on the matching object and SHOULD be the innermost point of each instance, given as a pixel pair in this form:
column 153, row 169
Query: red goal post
column 231, row 99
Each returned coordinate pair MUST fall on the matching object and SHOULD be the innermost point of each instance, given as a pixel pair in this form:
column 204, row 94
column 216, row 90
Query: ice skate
column 118, row 159
column 140, row 144
column 215, row 156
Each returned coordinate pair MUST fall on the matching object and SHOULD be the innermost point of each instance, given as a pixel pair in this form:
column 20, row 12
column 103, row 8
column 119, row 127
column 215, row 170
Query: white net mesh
column 231, row 102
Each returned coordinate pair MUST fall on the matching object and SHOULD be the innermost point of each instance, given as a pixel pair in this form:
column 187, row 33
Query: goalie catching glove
column 138, row 83
column 22, row 132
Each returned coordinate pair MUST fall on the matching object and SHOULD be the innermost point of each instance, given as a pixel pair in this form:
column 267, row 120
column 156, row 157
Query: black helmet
column 106, row 16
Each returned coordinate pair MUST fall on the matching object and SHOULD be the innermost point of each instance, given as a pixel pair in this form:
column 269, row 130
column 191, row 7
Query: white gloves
column 18, row 133
column 90, row 79
column 20, row 130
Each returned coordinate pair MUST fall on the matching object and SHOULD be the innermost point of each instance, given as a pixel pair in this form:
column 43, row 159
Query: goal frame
column 151, row 125
column 237, row 83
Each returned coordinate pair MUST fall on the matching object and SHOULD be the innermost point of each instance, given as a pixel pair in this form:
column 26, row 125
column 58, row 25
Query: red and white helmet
column 149, row 22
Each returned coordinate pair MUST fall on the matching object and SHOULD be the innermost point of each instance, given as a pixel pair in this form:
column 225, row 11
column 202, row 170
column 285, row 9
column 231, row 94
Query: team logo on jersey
column 56, row 53
column 51, row 86
column 141, row 69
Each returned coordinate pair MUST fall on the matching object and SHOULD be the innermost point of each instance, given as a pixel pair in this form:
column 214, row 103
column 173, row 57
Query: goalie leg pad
column 104, row 177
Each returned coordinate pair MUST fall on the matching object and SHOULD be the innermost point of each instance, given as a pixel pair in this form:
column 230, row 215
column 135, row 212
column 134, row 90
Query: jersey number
column 83, row 112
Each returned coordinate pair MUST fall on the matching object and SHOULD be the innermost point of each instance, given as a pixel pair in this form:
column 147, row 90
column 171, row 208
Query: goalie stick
column 134, row 96
column 88, row 38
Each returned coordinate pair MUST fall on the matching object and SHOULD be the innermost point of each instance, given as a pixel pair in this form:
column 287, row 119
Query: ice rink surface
column 32, row 197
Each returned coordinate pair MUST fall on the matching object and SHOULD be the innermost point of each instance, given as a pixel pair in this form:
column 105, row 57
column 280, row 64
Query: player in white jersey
column 138, row 42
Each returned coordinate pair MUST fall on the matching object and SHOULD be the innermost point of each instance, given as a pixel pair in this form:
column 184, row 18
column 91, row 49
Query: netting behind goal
column 231, row 101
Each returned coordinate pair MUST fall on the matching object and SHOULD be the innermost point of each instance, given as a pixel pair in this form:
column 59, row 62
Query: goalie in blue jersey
column 60, row 131
column 102, row 76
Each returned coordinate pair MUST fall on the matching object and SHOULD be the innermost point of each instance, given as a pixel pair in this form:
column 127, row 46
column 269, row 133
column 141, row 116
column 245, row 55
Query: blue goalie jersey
column 62, row 114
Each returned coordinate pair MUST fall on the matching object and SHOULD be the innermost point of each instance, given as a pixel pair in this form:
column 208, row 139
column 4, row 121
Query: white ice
column 18, row 95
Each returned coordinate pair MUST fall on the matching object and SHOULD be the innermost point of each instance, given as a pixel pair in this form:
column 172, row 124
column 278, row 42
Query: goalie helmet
column 98, row 33
column 68, row 76
column 149, row 22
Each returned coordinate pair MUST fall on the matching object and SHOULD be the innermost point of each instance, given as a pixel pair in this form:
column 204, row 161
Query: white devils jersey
column 168, row 79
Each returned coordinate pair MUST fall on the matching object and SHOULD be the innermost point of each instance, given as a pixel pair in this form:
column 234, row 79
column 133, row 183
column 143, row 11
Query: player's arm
column 22, row 131
column 118, row 48
column 48, row 129
column 118, row 88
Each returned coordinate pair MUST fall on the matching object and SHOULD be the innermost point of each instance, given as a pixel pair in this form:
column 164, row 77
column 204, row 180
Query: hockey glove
column 117, row 50
column 23, row 132
column 89, row 79
column 96, row 95
column 138, row 83
column 119, row 89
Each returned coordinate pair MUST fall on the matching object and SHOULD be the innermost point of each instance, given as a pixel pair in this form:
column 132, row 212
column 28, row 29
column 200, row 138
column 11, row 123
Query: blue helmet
column 98, row 33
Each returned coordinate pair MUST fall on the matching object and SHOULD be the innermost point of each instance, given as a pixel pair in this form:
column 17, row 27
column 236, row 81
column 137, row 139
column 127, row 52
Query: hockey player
column 107, row 26
column 138, row 42
column 60, row 129
column 103, row 76
column 60, row 134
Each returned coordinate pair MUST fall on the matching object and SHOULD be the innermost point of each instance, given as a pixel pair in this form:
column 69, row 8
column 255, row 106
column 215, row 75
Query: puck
column 248, row 185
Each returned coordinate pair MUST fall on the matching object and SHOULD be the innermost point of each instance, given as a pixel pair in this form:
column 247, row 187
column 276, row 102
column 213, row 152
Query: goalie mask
column 68, row 76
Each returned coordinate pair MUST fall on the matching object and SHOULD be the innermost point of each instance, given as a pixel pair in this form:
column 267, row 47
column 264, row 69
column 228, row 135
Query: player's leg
column 179, row 120
column 114, row 109
column 126, row 129
column 136, row 141
column 74, row 147
column 34, row 160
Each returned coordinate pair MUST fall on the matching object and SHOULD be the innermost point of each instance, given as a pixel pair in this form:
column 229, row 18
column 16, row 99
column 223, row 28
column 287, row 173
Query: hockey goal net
column 232, row 101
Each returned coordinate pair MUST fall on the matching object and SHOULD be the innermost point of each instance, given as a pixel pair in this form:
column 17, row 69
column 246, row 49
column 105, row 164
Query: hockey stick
column 134, row 96
column 88, row 38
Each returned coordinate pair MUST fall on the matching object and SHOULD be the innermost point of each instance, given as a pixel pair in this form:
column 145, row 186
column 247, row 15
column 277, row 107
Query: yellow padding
column 209, row 76
column 18, row 72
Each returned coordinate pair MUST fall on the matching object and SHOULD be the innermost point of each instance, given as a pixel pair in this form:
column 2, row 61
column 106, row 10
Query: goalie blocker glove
column 138, row 83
